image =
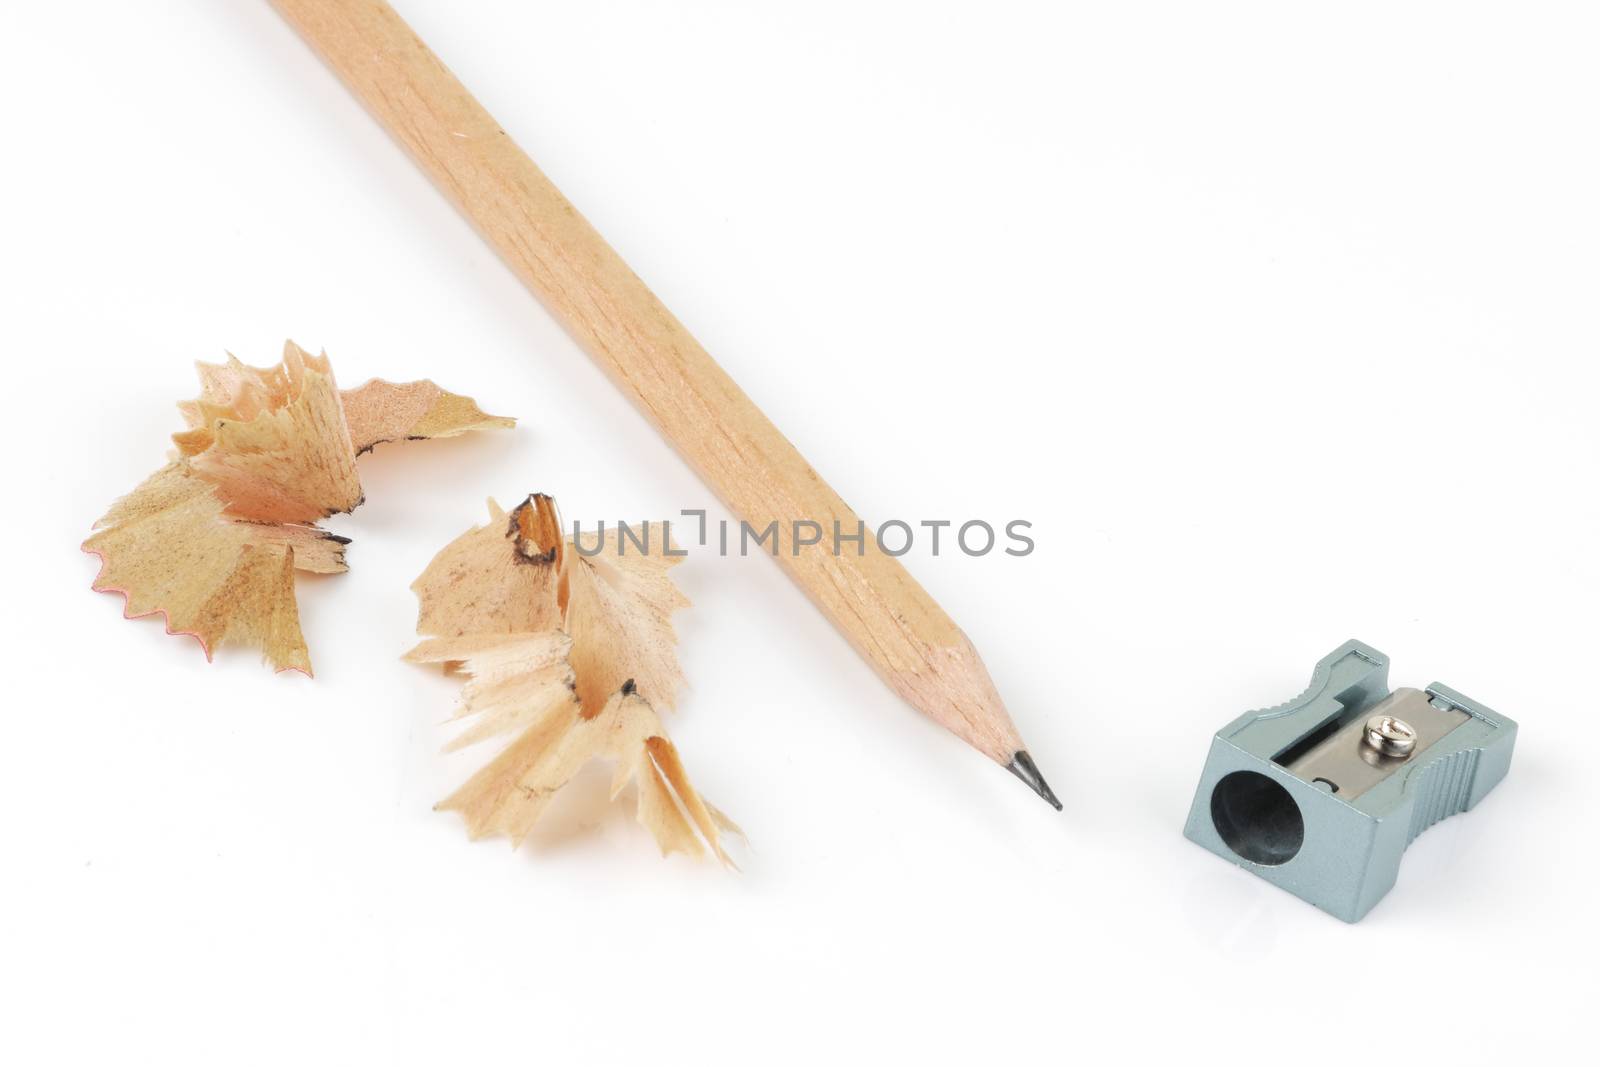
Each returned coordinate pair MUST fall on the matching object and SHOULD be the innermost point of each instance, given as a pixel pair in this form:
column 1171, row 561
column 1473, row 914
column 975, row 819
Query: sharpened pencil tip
column 1023, row 767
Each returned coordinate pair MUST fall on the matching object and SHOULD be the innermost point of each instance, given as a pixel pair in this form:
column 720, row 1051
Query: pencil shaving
column 566, row 655
column 170, row 549
column 212, row 540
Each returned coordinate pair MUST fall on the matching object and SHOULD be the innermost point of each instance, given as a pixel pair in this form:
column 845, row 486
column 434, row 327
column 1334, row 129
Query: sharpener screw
column 1390, row 736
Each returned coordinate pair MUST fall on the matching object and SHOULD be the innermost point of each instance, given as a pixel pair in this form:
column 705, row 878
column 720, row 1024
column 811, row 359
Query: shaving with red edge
column 212, row 540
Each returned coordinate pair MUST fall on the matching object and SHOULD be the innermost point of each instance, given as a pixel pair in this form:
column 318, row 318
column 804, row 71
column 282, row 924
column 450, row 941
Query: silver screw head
column 1390, row 736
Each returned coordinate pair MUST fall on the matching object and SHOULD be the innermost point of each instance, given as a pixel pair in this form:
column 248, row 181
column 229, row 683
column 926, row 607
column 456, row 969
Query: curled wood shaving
column 275, row 444
column 212, row 539
column 564, row 656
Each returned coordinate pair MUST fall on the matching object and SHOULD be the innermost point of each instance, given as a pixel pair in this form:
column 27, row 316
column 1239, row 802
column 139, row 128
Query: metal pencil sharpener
column 1321, row 795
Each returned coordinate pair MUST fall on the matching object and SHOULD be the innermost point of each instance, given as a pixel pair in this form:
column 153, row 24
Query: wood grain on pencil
column 870, row 597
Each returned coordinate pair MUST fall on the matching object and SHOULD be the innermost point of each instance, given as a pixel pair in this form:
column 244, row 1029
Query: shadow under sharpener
column 1321, row 795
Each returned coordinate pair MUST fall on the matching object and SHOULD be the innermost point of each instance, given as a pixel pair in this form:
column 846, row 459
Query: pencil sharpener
column 1321, row 795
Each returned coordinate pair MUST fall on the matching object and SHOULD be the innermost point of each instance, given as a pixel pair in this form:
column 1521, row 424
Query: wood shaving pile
column 567, row 657
column 213, row 539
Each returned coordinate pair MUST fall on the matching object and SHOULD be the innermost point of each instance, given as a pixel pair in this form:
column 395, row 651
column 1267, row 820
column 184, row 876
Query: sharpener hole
column 1257, row 818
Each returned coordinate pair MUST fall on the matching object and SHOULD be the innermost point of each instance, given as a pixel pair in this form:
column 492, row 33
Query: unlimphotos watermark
column 895, row 537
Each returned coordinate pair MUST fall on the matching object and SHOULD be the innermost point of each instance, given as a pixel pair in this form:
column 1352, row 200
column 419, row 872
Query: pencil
column 869, row 596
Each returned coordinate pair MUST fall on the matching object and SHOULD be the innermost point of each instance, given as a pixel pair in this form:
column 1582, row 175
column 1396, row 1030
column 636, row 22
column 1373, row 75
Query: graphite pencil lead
column 1023, row 767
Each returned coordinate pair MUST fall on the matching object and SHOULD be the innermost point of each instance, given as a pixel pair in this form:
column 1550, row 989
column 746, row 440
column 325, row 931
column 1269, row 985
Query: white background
column 1277, row 321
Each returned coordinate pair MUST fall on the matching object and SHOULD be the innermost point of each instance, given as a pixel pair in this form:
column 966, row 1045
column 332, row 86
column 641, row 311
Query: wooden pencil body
column 738, row 452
